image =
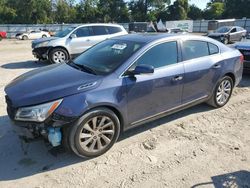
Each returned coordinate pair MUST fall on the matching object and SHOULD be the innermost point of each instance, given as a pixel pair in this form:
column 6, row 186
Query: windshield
column 223, row 30
column 108, row 55
column 64, row 32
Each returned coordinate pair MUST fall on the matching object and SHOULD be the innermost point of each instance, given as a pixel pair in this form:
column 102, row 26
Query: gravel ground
column 197, row 147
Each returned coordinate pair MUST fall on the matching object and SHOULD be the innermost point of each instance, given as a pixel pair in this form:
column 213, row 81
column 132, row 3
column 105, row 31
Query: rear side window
column 160, row 55
column 99, row 30
column 213, row 49
column 113, row 30
column 194, row 49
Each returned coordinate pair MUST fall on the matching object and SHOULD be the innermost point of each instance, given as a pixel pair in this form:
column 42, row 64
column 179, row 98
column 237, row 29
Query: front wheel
column 95, row 133
column 58, row 55
column 25, row 37
column 226, row 40
column 222, row 92
column 44, row 36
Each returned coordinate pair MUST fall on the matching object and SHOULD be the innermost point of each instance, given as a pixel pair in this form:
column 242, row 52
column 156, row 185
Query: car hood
column 49, row 83
column 46, row 39
column 242, row 45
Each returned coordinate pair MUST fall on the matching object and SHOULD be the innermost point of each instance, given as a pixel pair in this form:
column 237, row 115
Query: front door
column 151, row 94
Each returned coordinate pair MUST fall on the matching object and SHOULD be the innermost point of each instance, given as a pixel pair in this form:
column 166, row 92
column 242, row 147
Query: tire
column 44, row 36
column 87, row 141
column 58, row 55
column 219, row 100
column 25, row 37
column 226, row 40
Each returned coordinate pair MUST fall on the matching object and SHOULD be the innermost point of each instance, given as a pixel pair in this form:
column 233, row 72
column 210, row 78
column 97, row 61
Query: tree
column 237, row 9
column 214, row 11
column 64, row 12
column 7, row 14
column 113, row 11
column 194, row 13
column 147, row 10
column 179, row 10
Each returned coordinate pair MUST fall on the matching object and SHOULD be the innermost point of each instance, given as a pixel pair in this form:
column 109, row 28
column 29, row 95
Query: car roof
column 144, row 37
column 100, row 24
column 151, row 37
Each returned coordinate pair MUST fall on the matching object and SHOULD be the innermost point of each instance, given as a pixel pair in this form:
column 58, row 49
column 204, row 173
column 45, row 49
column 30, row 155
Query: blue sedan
column 118, row 84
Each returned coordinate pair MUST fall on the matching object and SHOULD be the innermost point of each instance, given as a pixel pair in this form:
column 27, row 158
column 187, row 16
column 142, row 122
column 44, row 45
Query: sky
column 199, row 3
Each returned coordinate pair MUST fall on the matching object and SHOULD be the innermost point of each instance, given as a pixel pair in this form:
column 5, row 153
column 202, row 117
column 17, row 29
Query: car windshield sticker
column 119, row 46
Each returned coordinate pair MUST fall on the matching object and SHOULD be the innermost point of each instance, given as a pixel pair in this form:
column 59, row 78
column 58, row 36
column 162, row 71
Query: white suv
column 72, row 41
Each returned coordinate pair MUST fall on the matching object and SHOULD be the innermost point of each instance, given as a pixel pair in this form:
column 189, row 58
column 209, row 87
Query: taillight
column 241, row 58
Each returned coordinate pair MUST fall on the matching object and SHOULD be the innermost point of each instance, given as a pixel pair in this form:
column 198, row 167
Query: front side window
column 233, row 30
column 82, row 32
column 161, row 55
column 99, row 30
column 108, row 55
column 194, row 49
column 64, row 32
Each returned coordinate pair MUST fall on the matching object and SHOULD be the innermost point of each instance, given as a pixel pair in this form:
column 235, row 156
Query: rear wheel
column 222, row 92
column 58, row 55
column 95, row 134
column 44, row 36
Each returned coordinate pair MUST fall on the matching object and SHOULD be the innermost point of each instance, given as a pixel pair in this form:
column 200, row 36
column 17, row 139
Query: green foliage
column 194, row 13
column 214, row 11
column 237, row 8
column 179, row 10
column 88, row 11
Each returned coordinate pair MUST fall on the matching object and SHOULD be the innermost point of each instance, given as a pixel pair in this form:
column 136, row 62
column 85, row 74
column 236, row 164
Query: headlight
column 37, row 113
column 42, row 44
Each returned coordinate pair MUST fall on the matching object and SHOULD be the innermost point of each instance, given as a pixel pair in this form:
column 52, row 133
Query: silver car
column 72, row 41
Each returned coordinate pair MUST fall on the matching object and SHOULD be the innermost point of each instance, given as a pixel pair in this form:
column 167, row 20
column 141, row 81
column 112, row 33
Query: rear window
column 99, row 30
column 194, row 49
column 113, row 30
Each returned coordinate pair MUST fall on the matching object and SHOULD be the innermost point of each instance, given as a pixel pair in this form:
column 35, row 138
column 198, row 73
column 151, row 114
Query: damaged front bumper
column 41, row 53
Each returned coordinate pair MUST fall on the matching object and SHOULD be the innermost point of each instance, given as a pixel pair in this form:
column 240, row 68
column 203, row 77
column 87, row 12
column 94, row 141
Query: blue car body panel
column 134, row 98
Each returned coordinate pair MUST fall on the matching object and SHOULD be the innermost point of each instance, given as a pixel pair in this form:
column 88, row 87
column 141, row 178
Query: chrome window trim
column 147, row 49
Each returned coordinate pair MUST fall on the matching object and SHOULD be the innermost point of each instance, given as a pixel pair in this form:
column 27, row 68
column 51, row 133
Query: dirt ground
column 198, row 147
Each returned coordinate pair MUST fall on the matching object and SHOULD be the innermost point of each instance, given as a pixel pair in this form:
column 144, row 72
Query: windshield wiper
column 82, row 67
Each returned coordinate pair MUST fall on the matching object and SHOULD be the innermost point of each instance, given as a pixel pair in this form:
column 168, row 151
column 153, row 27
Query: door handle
column 177, row 78
column 217, row 66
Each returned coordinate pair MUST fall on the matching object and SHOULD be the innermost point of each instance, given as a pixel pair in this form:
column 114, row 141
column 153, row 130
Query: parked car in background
column 244, row 48
column 177, row 30
column 32, row 35
column 228, row 34
column 118, row 84
column 72, row 41
column 3, row 35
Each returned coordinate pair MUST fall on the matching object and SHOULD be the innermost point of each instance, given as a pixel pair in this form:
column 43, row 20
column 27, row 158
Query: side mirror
column 143, row 69
column 72, row 36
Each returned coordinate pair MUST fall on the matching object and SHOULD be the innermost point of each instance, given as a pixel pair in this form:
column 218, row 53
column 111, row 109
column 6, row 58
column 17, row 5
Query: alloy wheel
column 224, row 91
column 97, row 134
column 59, row 57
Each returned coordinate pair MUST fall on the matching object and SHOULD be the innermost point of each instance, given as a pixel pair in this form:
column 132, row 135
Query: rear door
column 202, row 69
column 151, row 94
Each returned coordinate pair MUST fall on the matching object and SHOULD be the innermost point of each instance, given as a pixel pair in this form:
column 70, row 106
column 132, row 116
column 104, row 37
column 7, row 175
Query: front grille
column 10, row 109
column 246, row 54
